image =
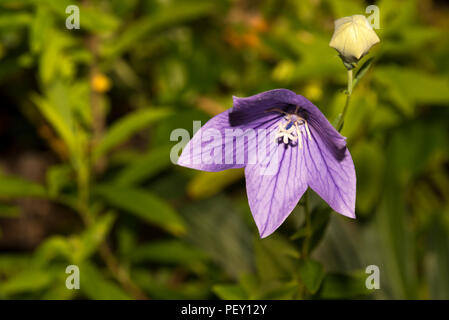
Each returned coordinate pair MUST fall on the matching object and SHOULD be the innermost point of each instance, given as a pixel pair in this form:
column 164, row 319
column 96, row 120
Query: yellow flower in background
column 353, row 37
column 100, row 83
column 313, row 91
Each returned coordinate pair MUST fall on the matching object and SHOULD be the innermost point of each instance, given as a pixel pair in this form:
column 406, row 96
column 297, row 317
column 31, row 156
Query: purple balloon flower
column 285, row 145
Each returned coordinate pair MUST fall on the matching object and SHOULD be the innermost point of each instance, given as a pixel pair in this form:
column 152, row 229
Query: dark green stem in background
column 98, row 114
column 118, row 272
column 348, row 98
column 83, row 167
column 307, row 226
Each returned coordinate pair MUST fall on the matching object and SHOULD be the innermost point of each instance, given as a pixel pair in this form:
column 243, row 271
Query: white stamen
column 287, row 134
column 298, row 132
column 307, row 130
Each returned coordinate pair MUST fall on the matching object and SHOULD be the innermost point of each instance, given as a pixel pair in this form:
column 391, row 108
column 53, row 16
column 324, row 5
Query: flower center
column 292, row 129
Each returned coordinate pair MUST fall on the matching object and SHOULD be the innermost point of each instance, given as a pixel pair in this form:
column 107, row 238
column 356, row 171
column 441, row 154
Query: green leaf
column 95, row 285
column 437, row 258
column 275, row 258
column 127, row 240
column 144, row 205
column 159, row 285
column 370, row 165
column 14, row 20
column 340, row 286
column 13, row 263
column 320, row 219
column 97, row 20
column 345, row 8
column 16, row 4
column 51, row 248
column 362, row 71
column 216, row 227
column 18, row 187
column 9, row 211
column 408, row 87
column 311, row 273
column 58, row 177
column 207, row 184
column 407, row 153
column 92, row 18
column 170, row 251
column 75, row 248
column 124, row 128
column 144, row 167
column 40, row 28
column 54, row 61
column 58, row 291
column 57, row 120
column 175, row 13
column 281, row 290
column 91, row 239
column 314, row 59
column 230, row 292
column 30, row 280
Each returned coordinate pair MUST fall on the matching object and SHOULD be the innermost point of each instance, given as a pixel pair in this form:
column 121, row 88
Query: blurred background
column 86, row 178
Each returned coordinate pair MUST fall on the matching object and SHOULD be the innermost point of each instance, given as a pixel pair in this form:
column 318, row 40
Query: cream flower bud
column 353, row 37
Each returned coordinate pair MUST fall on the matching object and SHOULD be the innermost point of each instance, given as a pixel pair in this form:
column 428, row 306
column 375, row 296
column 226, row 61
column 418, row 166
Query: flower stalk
column 353, row 37
column 341, row 118
column 307, row 226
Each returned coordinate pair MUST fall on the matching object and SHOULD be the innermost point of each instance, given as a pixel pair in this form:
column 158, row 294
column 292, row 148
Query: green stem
column 301, row 293
column 83, row 193
column 348, row 98
column 120, row 273
column 308, row 226
column 308, row 219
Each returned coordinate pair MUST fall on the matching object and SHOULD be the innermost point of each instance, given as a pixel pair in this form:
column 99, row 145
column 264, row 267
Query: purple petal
column 332, row 179
column 253, row 109
column 332, row 139
column 275, row 187
column 217, row 146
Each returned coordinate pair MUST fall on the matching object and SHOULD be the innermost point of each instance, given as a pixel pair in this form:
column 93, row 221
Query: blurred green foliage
column 100, row 102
